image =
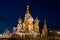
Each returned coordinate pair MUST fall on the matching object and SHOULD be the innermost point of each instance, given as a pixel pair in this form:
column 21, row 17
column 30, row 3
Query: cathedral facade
column 27, row 27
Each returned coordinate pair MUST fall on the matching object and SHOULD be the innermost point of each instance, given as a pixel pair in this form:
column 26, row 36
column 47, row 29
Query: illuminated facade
column 27, row 27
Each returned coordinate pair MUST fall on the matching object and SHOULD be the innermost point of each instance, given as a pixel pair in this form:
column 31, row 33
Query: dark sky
column 10, row 10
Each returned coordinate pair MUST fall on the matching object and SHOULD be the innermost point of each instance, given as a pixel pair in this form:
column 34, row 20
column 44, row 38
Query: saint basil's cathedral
column 27, row 27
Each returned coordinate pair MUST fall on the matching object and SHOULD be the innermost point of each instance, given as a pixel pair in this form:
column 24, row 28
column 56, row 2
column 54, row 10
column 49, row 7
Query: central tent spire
column 27, row 15
column 27, row 9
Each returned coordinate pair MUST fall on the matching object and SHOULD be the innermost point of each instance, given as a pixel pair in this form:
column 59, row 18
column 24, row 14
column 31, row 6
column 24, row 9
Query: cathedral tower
column 44, row 30
column 27, row 15
column 36, row 25
column 28, row 20
column 19, row 25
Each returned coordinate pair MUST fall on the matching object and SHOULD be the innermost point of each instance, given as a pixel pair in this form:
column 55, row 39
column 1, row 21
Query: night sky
column 11, row 10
